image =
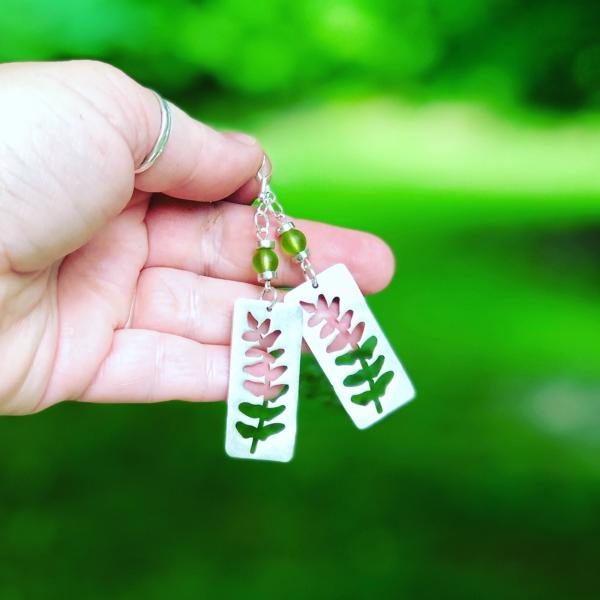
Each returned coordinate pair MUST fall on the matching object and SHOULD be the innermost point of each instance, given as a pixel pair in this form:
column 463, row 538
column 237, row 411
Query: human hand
column 82, row 237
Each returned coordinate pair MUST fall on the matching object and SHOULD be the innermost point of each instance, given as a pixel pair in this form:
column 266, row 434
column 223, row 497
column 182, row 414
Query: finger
column 219, row 241
column 188, row 305
column 250, row 190
column 113, row 123
column 198, row 162
column 95, row 290
column 147, row 366
column 247, row 193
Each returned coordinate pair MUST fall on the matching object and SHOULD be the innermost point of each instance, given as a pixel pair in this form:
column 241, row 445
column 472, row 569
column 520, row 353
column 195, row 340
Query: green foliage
column 545, row 53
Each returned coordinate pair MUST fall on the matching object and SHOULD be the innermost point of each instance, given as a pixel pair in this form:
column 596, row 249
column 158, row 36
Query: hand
column 82, row 238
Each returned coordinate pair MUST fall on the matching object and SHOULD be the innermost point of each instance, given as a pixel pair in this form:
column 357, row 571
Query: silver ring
column 163, row 136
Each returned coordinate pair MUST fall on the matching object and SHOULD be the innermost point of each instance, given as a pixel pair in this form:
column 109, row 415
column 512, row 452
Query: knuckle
column 97, row 68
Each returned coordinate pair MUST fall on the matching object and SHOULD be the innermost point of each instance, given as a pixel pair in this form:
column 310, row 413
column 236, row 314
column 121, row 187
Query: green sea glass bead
column 293, row 242
column 265, row 260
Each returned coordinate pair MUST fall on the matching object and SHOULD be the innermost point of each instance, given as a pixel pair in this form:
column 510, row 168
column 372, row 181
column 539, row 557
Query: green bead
column 264, row 260
column 293, row 242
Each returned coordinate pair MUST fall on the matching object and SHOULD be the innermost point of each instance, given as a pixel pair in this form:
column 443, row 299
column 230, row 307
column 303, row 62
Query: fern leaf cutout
column 365, row 351
column 263, row 373
column 259, row 433
column 328, row 316
column 366, row 373
column 374, row 393
column 258, row 411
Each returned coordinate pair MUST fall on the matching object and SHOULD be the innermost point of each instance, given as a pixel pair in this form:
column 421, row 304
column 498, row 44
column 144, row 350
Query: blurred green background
column 467, row 134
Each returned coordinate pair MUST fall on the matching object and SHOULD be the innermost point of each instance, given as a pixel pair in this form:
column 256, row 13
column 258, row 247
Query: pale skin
column 116, row 287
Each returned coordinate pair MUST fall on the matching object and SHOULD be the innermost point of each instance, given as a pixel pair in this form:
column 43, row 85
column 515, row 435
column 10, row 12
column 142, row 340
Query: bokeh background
column 467, row 134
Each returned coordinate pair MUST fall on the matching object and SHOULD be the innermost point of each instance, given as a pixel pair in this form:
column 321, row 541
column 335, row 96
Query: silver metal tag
column 350, row 346
column 262, row 402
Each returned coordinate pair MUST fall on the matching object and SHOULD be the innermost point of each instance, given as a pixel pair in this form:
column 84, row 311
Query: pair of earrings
column 331, row 314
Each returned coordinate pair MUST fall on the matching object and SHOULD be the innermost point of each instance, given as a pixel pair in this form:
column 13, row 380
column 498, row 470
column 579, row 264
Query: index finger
column 198, row 162
column 219, row 240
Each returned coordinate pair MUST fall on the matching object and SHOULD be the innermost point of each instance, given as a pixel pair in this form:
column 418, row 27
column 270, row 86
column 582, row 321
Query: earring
column 266, row 344
column 331, row 314
column 344, row 335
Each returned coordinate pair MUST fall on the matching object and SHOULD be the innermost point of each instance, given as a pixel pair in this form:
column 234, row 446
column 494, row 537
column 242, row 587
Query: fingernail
column 243, row 138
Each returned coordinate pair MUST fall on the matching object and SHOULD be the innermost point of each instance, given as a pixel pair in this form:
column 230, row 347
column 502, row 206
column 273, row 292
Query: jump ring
column 266, row 291
column 309, row 273
column 163, row 136
column 276, row 209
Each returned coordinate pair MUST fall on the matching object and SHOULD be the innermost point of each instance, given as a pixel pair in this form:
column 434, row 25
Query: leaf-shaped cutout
column 369, row 347
column 263, row 355
column 248, row 431
column 346, row 319
column 349, row 358
column 347, row 338
column 334, row 310
column 365, row 397
column 264, row 370
column 245, row 430
column 319, row 312
column 356, row 334
column 259, row 411
column 364, row 352
column 308, row 307
column 339, row 342
column 327, row 330
column 265, row 390
column 269, row 340
column 270, row 430
column 365, row 374
column 251, row 336
column 330, row 315
column 278, row 392
column 264, row 326
column 314, row 320
column 322, row 303
column 382, row 383
column 374, row 393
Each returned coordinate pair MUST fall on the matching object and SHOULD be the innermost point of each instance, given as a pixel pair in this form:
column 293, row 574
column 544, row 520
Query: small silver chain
column 262, row 220
column 269, row 206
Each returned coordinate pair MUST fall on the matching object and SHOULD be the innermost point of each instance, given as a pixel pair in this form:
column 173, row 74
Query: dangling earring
column 266, row 343
column 331, row 314
column 344, row 335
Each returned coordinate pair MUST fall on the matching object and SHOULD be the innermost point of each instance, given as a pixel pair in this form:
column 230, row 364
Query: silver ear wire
column 269, row 206
column 264, row 175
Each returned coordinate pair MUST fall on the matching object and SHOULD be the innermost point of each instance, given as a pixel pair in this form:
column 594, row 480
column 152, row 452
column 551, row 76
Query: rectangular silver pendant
column 350, row 347
column 262, row 402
